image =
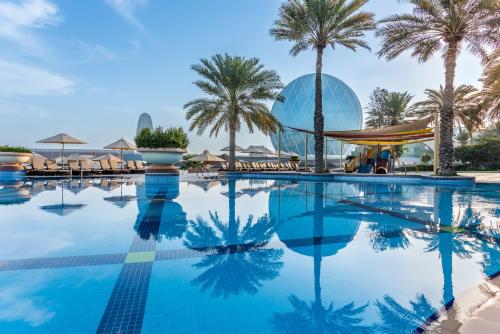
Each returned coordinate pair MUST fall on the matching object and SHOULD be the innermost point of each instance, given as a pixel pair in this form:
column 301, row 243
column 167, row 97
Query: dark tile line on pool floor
column 421, row 221
column 125, row 310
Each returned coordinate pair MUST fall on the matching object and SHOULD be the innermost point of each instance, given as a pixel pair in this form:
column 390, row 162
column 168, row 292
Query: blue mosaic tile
column 124, row 312
column 59, row 262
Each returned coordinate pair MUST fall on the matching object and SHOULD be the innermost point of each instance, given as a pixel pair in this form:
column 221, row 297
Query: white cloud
column 19, row 19
column 127, row 8
column 18, row 79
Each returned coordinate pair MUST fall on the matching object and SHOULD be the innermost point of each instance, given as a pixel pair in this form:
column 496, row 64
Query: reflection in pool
column 134, row 255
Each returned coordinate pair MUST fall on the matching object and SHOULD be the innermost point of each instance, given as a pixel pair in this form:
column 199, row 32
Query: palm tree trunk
column 446, row 124
column 232, row 146
column 318, row 115
column 317, row 237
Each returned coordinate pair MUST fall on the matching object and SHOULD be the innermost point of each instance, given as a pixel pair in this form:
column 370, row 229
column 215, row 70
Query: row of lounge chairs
column 264, row 167
column 48, row 167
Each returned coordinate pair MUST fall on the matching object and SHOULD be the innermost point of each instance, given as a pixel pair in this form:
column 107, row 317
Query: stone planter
column 13, row 160
column 162, row 160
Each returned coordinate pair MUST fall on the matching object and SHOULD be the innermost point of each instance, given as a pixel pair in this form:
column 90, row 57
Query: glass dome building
column 341, row 109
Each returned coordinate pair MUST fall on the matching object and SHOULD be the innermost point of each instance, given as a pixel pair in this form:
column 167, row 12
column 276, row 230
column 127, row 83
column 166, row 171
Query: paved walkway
column 486, row 177
column 476, row 311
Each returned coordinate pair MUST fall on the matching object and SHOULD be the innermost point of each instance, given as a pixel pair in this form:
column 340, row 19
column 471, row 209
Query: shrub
column 483, row 155
column 15, row 149
column 159, row 138
column 294, row 159
column 425, row 157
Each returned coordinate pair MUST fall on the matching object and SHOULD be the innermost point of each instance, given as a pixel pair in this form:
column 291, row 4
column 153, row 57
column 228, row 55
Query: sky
column 90, row 68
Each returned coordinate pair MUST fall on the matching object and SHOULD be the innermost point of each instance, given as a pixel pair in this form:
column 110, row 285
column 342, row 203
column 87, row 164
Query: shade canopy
column 252, row 149
column 236, row 148
column 267, row 151
column 206, row 157
column 408, row 133
column 108, row 156
column 121, row 144
column 61, row 138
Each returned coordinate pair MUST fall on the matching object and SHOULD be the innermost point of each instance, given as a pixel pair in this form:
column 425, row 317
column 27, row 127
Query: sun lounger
column 76, row 168
column 86, row 166
column 40, row 168
column 139, row 166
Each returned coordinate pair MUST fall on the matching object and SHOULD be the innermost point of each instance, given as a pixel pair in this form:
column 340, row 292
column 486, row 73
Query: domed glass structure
column 341, row 109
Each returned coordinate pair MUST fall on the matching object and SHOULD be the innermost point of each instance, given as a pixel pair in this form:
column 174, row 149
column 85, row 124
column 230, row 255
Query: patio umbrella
column 236, row 148
column 267, row 152
column 121, row 144
column 252, row 150
column 206, row 157
column 122, row 200
column 108, row 156
column 62, row 139
column 62, row 209
column 37, row 156
column 72, row 157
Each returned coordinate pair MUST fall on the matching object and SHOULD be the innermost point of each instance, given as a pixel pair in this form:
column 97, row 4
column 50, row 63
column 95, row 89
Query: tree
column 463, row 137
column 316, row 24
column 491, row 85
column 238, row 89
column 394, row 109
column 466, row 109
column 444, row 26
column 376, row 108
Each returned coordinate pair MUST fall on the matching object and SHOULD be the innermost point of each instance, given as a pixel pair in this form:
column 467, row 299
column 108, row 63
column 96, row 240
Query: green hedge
column 15, row 149
column 160, row 138
column 482, row 155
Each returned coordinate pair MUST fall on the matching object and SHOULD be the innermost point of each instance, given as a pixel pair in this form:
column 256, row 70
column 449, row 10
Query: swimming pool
column 246, row 256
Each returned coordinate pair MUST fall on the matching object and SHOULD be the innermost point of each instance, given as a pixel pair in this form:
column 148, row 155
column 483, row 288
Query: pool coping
column 406, row 179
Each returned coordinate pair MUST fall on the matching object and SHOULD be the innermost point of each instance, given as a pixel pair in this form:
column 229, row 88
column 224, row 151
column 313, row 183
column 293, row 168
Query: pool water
column 245, row 256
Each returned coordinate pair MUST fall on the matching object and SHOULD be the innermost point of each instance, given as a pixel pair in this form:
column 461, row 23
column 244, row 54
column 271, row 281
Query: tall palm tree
column 444, row 26
column 240, row 252
column 395, row 109
column 491, row 85
column 238, row 89
column 316, row 24
column 466, row 110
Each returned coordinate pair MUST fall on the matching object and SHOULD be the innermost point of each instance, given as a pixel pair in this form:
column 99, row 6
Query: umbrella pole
column 121, row 158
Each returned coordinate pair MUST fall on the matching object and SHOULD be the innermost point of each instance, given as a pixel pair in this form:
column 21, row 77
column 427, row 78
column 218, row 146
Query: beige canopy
column 121, row 144
column 61, row 138
column 206, row 157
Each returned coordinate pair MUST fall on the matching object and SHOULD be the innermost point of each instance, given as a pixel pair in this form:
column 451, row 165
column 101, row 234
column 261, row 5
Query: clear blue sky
column 89, row 68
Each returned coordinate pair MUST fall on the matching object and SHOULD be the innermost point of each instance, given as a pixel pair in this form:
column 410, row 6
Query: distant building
column 341, row 109
column 144, row 122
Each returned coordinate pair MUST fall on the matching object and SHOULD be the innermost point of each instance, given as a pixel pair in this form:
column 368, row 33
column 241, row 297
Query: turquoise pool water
column 245, row 256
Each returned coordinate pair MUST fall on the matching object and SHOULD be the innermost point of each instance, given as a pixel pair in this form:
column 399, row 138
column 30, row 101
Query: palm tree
column 238, row 89
column 395, row 318
column 316, row 24
column 466, row 109
column 237, row 261
column 491, row 85
column 444, row 26
column 395, row 110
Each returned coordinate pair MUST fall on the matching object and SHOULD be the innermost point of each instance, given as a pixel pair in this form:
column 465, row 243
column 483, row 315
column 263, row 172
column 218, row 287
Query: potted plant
column 162, row 148
column 11, row 157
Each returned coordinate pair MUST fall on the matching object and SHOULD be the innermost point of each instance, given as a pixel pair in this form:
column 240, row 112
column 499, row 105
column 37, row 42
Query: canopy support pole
column 341, row 151
column 305, row 150
column 326, row 153
column 436, row 143
column 279, row 149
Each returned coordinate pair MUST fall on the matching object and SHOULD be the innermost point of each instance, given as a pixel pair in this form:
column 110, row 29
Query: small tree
column 425, row 158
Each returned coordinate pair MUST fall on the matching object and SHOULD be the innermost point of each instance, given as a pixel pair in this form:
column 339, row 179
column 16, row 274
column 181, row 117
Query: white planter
column 162, row 156
column 14, row 157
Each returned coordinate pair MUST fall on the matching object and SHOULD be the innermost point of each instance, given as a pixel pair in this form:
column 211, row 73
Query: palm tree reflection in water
column 314, row 316
column 237, row 262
